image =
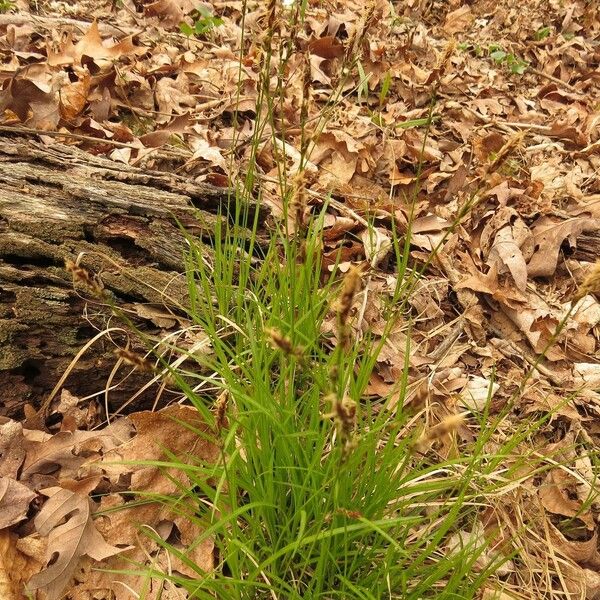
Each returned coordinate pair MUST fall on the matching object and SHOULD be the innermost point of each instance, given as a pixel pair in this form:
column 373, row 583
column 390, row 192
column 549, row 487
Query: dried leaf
column 555, row 496
column 377, row 244
column 66, row 451
column 15, row 568
column 12, row 451
column 459, row 19
column 66, row 520
column 326, row 47
column 549, row 235
column 14, row 501
column 506, row 252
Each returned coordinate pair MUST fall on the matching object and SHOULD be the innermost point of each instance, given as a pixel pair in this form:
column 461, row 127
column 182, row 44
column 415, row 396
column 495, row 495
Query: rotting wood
column 57, row 202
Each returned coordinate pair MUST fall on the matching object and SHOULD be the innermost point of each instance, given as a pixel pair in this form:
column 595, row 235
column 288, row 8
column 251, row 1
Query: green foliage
column 542, row 33
column 203, row 22
column 6, row 5
column 385, row 88
column 516, row 65
column 298, row 506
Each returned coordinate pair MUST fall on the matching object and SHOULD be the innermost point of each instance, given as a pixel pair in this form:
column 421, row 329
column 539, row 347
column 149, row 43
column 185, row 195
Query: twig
column 53, row 23
column 76, row 136
column 554, row 79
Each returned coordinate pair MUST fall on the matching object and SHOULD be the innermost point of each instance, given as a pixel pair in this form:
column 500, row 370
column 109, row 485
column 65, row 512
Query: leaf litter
column 512, row 132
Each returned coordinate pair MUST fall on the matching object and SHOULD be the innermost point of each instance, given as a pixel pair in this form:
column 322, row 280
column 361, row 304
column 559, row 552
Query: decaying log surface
column 55, row 203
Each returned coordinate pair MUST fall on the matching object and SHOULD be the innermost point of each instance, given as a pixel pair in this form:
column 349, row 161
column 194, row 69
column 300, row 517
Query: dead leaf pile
column 67, row 498
column 472, row 127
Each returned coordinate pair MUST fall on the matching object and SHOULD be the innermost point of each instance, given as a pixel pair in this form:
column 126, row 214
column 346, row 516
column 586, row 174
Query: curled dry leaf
column 549, row 235
column 14, row 501
column 377, row 244
column 12, row 451
column 15, row 568
column 583, row 553
column 74, row 96
column 555, row 492
column 507, row 252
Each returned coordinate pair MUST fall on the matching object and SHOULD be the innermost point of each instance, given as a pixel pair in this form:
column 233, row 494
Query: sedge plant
column 318, row 494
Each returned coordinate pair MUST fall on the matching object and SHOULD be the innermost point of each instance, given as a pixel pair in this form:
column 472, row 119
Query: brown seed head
column 85, row 277
column 505, row 151
column 137, row 360
column 343, row 413
column 590, row 283
column 282, row 342
column 298, row 200
column 447, row 426
column 350, row 287
column 220, row 410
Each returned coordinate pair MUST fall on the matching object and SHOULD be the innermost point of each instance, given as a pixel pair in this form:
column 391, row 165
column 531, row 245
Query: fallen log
column 58, row 203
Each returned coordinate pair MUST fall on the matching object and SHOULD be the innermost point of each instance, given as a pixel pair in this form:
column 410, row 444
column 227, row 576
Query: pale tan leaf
column 12, row 451
column 74, row 96
column 66, row 520
column 459, row 19
column 377, row 244
column 506, row 252
column 14, row 501
column 67, row 451
column 549, row 235
column 92, row 45
column 15, row 567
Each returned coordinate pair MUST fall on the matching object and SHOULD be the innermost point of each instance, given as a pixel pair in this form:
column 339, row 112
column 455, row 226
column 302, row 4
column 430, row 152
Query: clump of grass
column 319, row 493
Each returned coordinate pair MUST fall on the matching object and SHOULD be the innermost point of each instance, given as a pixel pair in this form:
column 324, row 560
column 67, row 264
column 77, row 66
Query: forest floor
column 454, row 145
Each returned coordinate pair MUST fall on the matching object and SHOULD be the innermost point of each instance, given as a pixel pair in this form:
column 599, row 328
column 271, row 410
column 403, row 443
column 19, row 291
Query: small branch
column 76, row 136
column 556, row 80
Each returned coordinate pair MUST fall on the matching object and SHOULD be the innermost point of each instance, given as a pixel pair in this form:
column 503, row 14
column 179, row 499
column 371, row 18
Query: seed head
column 85, row 277
column 137, row 360
column 220, row 410
column 504, row 152
column 447, row 426
column 590, row 283
column 283, row 343
column 298, row 201
column 350, row 287
column 343, row 413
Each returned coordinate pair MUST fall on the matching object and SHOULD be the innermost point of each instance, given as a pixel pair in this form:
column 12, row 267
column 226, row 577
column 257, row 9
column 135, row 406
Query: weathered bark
column 588, row 247
column 55, row 203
